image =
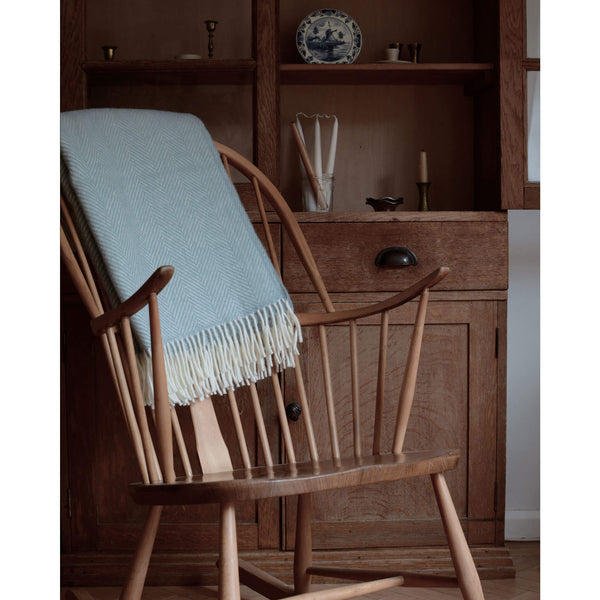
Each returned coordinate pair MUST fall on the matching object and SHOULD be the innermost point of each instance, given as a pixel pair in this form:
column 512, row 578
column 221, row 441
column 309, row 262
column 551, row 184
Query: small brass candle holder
column 211, row 25
column 109, row 52
column 423, row 195
column 414, row 52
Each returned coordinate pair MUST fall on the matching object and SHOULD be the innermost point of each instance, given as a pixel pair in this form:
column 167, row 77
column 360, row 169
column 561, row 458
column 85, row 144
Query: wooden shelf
column 182, row 71
column 468, row 74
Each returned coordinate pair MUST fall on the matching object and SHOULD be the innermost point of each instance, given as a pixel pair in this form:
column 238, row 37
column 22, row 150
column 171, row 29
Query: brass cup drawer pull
column 396, row 256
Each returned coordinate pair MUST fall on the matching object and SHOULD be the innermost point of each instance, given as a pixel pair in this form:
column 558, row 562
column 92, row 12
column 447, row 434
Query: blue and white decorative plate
column 328, row 36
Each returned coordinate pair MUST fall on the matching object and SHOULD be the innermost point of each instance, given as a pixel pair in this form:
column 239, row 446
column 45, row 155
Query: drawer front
column 475, row 252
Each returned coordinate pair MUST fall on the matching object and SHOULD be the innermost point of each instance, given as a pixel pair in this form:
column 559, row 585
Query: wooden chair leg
column 303, row 547
column 137, row 573
column 229, row 581
column 466, row 573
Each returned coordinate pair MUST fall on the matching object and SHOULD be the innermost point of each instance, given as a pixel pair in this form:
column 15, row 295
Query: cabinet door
column 455, row 407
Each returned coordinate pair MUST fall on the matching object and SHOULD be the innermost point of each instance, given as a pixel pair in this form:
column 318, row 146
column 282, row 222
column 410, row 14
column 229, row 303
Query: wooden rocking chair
column 157, row 438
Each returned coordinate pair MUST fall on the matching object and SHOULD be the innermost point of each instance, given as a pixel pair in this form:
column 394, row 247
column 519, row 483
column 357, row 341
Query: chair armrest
column 308, row 319
column 155, row 283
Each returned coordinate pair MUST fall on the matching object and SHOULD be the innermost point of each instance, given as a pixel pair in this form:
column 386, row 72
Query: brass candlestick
column 423, row 194
column 414, row 52
column 210, row 27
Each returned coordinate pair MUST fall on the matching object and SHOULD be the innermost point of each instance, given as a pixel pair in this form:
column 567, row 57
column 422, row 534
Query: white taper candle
column 318, row 163
column 423, row 175
column 332, row 147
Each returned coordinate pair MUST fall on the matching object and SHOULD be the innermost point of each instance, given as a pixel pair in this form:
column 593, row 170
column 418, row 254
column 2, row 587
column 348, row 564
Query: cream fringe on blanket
column 226, row 356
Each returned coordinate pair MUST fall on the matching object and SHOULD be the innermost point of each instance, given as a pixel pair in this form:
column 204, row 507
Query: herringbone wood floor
column 525, row 586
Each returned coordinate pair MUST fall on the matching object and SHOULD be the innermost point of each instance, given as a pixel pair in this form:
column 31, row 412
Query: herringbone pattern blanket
column 147, row 188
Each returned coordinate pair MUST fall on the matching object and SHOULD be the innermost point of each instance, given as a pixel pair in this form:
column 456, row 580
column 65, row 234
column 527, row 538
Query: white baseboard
column 522, row 525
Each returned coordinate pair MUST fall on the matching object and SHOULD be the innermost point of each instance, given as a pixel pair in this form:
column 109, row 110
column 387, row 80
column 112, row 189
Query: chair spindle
column 79, row 281
column 304, row 404
column 283, row 421
column 82, row 260
column 260, row 425
column 355, row 388
column 335, row 447
column 136, row 389
column 380, row 397
column 265, row 223
column 127, row 405
column 407, row 391
column 239, row 431
column 183, row 453
column 225, row 162
column 161, row 397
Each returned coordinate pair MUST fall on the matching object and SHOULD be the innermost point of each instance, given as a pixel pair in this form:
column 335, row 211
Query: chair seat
column 286, row 480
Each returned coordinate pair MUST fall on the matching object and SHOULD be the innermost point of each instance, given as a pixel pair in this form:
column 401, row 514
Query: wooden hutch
column 464, row 104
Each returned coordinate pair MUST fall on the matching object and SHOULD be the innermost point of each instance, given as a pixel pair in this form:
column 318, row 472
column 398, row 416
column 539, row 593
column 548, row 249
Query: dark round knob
column 293, row 411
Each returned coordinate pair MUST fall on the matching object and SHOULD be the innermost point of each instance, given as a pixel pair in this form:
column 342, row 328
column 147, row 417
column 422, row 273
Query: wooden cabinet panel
column 455, row 407
column 345, row 254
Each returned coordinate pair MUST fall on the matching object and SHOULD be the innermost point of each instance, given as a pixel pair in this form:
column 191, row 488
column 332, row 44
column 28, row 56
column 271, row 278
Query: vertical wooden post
column 72, row 54
column 139, row 567
column 229, row 582
column 468, row 579
column 511, row 103
column 266, row 87
column 303, row 547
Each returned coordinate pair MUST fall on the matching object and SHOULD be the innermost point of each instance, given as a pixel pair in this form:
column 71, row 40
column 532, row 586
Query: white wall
column 523, row 377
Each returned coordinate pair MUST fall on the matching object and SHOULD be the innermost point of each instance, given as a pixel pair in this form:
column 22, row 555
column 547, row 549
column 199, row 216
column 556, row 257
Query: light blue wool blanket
column 147, row 188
